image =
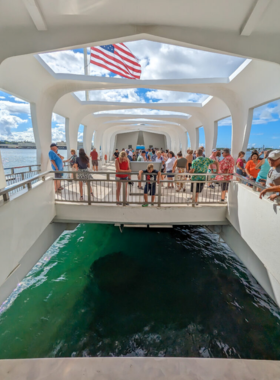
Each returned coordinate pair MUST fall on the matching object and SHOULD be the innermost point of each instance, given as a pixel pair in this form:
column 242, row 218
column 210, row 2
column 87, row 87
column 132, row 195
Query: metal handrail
column 27, row 182
column 21, row 167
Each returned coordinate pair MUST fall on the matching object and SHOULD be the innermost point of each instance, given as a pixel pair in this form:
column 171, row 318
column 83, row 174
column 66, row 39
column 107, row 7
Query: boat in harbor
column 35, row 220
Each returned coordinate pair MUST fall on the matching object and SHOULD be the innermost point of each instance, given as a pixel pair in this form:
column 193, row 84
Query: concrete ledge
column 139, row 369
column 201, row 215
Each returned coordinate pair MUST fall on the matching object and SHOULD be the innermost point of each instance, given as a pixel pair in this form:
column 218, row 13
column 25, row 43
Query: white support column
column 71, row 133
column 194, row 138
column 87, row 138
column 97, row 141
column 241, row 127
column 247, row 129
column 211, row 134
column 41, row 114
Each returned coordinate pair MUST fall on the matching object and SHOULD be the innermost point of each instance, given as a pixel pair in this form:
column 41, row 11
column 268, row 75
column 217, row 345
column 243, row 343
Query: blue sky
column 157, row 61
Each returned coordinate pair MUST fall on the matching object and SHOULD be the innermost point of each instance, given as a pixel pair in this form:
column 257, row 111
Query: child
column 150, row 186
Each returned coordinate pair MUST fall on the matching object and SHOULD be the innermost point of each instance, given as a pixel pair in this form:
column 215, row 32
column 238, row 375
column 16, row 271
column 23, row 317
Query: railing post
column 43, row 178
column 194, row 193
column 6, row 197
column 29, row 186
column 22, row 178
column 12, row 171
column 29, row 168
column 89, row 194
column 159, row 194
column 123, row 193
column 107, row 176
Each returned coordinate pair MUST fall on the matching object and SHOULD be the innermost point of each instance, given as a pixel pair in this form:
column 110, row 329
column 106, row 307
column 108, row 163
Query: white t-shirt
column 159, row 159
column 130, row 153
column 273, row 177
column 170, row 163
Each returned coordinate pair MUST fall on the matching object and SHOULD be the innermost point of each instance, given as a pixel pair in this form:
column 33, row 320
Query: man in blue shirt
column 57, row 165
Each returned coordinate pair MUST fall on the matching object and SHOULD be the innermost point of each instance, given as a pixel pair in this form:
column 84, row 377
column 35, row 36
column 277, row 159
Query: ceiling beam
column 254, row 17
column 35, row 14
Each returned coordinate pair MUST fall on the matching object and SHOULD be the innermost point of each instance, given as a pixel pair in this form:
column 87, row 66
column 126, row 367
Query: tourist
column 150, row 154
column 154, row 155
column 122, row 165
column 218, row 155
column 264, row 169
column 203, row 150
column 160, row 159
column 240, row 164
column 212, row 168
column 94, row 160
column 169, row 167
column 200, row 165
column 116, row 154
column 189, row 158
column 72, row 160
column 57, row 165
column 226, row 166
column 273, row 177
column 250, row 167
column 134, row 157
column 142, row 156
column 150, row 187
column 82, row 164
column 181, row 165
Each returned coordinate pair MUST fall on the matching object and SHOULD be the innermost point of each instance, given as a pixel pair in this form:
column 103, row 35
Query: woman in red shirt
column 250, row 167
column 122, row 165
column 94, row 160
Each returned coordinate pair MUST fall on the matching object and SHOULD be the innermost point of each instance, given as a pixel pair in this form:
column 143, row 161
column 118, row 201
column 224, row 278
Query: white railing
column 104, row 189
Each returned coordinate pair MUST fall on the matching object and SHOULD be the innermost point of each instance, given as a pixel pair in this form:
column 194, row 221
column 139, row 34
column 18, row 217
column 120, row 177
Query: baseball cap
column 53, row 144
column 274, row 155
column 214, row 150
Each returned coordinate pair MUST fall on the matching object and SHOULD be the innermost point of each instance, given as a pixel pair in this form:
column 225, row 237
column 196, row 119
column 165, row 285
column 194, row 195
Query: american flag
column 116, row 58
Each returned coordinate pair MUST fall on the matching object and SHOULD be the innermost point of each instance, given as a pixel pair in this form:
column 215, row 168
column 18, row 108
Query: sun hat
column 274, row 155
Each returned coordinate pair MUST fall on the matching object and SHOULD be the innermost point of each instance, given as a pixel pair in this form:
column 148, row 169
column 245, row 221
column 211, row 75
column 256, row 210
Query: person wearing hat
column 57, row 165
column 273, row 177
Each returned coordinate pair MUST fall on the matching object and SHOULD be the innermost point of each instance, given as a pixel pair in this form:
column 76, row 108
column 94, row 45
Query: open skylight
column 142, row 95
column 142, row 111
column 157, row 60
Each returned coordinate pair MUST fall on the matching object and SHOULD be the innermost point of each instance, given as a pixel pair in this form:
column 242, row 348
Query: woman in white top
column 169, row 166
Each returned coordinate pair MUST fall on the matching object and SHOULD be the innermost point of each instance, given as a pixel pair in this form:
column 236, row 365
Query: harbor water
column 145, row 292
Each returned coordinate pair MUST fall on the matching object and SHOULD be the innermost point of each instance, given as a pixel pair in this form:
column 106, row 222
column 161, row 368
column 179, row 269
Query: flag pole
column 86, row 70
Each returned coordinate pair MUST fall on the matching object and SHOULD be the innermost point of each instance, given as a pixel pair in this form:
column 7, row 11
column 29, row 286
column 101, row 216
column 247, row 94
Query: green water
column 177, row 292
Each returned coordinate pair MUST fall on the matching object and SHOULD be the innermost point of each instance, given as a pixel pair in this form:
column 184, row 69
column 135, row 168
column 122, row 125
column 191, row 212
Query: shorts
column 169, row 176
column 58, row 175
column 240, row 172
column 189, row 166
column 150, row 188
column 259, row 179
column 224, row 186
column 94, row 162
column 199, row 187
column 122, row 178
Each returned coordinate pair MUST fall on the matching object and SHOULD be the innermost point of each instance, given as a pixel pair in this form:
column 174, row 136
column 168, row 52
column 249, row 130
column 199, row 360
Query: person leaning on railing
column 273, row 177
column 57, row 165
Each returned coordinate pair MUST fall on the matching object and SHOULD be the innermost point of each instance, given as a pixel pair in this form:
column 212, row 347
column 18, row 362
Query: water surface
column 180, row 292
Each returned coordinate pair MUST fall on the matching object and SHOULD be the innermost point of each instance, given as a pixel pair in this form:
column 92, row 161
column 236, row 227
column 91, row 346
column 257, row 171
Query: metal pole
column 124, row 194
column 194, row 193
column 159, row 194
column 86, row 70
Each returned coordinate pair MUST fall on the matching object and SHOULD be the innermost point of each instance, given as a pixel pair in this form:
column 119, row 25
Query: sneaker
column 211, row 187
column 145, row 205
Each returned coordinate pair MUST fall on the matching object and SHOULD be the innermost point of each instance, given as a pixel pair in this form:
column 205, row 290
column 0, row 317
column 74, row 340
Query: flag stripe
column 112, row 70
column 116, row 58
column 112, row 64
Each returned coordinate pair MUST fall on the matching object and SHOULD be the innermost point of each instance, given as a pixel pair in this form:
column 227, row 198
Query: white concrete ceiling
column 248, row 28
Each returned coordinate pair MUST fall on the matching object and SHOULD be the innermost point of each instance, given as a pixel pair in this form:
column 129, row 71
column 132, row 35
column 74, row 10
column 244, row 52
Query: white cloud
column 58, row 119
column 141, row 111
column 225, row 122
column 2, row 97
column 15, row 108
column 175, row 96
column 7, row 123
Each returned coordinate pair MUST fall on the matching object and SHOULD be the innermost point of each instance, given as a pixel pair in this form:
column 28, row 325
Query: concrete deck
column 139, row 369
